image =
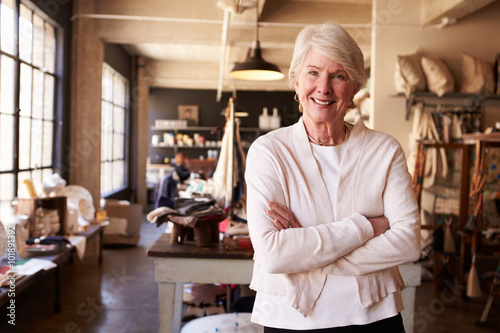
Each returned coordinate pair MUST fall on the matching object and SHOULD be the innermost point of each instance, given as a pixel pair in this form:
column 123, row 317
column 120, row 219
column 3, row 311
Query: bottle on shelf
column 275, row 119
column 264, row 119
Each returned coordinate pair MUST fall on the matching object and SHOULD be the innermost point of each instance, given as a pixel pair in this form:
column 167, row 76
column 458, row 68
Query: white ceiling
column 187, row 44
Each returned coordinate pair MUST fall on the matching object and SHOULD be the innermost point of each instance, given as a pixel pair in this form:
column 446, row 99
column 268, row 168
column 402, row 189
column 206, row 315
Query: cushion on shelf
column 477, row 76
column 409, row 76
column 438, row 76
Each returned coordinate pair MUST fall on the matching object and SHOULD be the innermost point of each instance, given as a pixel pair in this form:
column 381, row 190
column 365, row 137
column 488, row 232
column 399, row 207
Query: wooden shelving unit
column 28, row 206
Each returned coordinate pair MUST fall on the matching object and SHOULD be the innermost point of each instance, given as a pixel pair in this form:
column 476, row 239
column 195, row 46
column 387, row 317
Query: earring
column 296, row 98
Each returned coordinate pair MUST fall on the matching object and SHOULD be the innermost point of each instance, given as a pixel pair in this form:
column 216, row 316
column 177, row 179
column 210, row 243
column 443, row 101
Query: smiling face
column 324, row 89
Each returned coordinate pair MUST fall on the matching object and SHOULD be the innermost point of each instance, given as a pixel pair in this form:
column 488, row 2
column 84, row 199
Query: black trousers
column 388, row 325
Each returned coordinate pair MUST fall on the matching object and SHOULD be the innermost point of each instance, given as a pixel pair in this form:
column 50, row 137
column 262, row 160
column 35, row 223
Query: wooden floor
column 121, row 296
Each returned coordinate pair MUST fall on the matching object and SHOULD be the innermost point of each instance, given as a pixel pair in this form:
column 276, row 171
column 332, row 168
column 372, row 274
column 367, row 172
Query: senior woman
column 331, row 210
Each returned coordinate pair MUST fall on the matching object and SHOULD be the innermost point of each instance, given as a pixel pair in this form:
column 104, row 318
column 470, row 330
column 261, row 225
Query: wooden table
column 92, row 231
column 58, row 258
column 176, row 264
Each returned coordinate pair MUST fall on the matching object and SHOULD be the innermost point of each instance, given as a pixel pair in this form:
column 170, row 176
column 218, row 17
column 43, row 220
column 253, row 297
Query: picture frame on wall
column 189, row 113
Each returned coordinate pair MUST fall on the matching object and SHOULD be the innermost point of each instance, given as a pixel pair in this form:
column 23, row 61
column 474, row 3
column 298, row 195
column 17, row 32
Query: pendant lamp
column 255, row 68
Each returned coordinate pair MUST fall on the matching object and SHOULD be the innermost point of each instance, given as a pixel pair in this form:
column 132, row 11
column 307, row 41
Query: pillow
column 438, row 76
column 477, row 75
column 409, row 76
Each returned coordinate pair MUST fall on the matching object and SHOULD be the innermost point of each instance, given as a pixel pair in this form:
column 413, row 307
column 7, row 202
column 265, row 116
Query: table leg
column 100, row 244
column 228, row 298
column 170, row 307
column 57, row 291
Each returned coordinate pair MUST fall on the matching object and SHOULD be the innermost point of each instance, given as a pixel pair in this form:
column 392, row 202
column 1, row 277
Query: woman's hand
column 282, row 216
column 379, row 224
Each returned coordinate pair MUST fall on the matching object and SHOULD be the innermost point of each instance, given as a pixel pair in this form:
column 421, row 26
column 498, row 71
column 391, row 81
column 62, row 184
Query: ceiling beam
column 435, row 11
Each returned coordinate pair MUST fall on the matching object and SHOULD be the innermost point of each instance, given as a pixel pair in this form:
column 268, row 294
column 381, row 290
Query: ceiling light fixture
column 255, row 68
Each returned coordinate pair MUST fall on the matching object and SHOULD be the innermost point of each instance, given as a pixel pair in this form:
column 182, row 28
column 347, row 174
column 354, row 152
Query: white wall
column 398, row 31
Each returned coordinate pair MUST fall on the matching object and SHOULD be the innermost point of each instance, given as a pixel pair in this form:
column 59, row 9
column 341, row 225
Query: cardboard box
column 122, row 209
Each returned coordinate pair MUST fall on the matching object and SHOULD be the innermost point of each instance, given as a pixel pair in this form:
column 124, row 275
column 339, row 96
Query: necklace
column 347, row 133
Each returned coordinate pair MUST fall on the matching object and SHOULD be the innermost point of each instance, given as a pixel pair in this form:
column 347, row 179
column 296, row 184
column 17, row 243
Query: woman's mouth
column 320, row 102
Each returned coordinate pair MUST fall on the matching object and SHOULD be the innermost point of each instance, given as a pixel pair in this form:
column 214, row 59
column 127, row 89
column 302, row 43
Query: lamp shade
column 255, row 68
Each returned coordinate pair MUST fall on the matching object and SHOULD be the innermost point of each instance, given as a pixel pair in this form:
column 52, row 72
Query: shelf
column 473, row 137
column 29, row 206
column 186, row 147
column 208, row 128
column 470, row 102
column 190, row 129
column 428, row 94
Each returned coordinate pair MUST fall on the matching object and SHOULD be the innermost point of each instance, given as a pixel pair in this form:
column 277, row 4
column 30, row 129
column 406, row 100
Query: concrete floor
column 121, row 296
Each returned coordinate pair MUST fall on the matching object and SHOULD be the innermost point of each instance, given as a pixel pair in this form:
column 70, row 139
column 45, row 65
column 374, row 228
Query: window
column 27, row 108
column 114, row 173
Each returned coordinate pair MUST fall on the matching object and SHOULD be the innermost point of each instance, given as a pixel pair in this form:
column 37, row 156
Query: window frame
column 126, row 130
column 56, row 117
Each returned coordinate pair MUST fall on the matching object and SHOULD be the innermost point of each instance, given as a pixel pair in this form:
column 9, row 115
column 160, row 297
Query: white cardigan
column 374, row 181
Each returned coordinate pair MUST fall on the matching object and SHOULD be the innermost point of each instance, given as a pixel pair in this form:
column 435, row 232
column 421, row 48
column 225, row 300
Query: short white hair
column 333, row 41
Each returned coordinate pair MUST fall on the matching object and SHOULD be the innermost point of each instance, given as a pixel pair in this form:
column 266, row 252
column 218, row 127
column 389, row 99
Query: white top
column 374, row 181
column 338, row 305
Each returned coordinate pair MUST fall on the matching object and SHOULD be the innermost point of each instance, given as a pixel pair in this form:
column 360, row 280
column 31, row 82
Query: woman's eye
column 313, row 73
column 338, row 76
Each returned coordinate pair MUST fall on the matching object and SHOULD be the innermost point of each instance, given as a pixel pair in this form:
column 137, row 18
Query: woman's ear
column 356, row 90
column 296, row 84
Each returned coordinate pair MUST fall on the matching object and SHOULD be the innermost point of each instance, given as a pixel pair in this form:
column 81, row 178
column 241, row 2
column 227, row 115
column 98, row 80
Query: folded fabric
column 188, row 214
column 191, row 206
column 237, row 229
column 34, row 265
column 79, row 242
column 56, row 240
column 159, row 215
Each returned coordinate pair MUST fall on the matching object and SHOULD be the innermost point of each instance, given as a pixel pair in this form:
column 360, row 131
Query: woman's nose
column 324, row 85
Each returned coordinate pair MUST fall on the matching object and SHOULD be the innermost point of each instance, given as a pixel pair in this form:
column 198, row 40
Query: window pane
column 107, row 146
column 38, row 41
column 46, row 174
column 36, row 178
column 113, row 126
column 24, row 143
column 7, row 26
column 7, row 142
column 25, row 90
column 119, row 91
column 106, row 128
column 22, row 190
column 7, row 71
column 107, row 84
column 50, row 48
column 48, row 100
column 106, row 177
column 119, row 120
column 107, row 117
column 118, row 147
column 36, row 143
column 48, row 134
column 31, row 45
column 6, row 187
column 37, row 94
column 25, row 34
column 118, row 174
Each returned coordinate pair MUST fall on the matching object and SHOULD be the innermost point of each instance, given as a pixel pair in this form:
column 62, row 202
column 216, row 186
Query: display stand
column 470, row 193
